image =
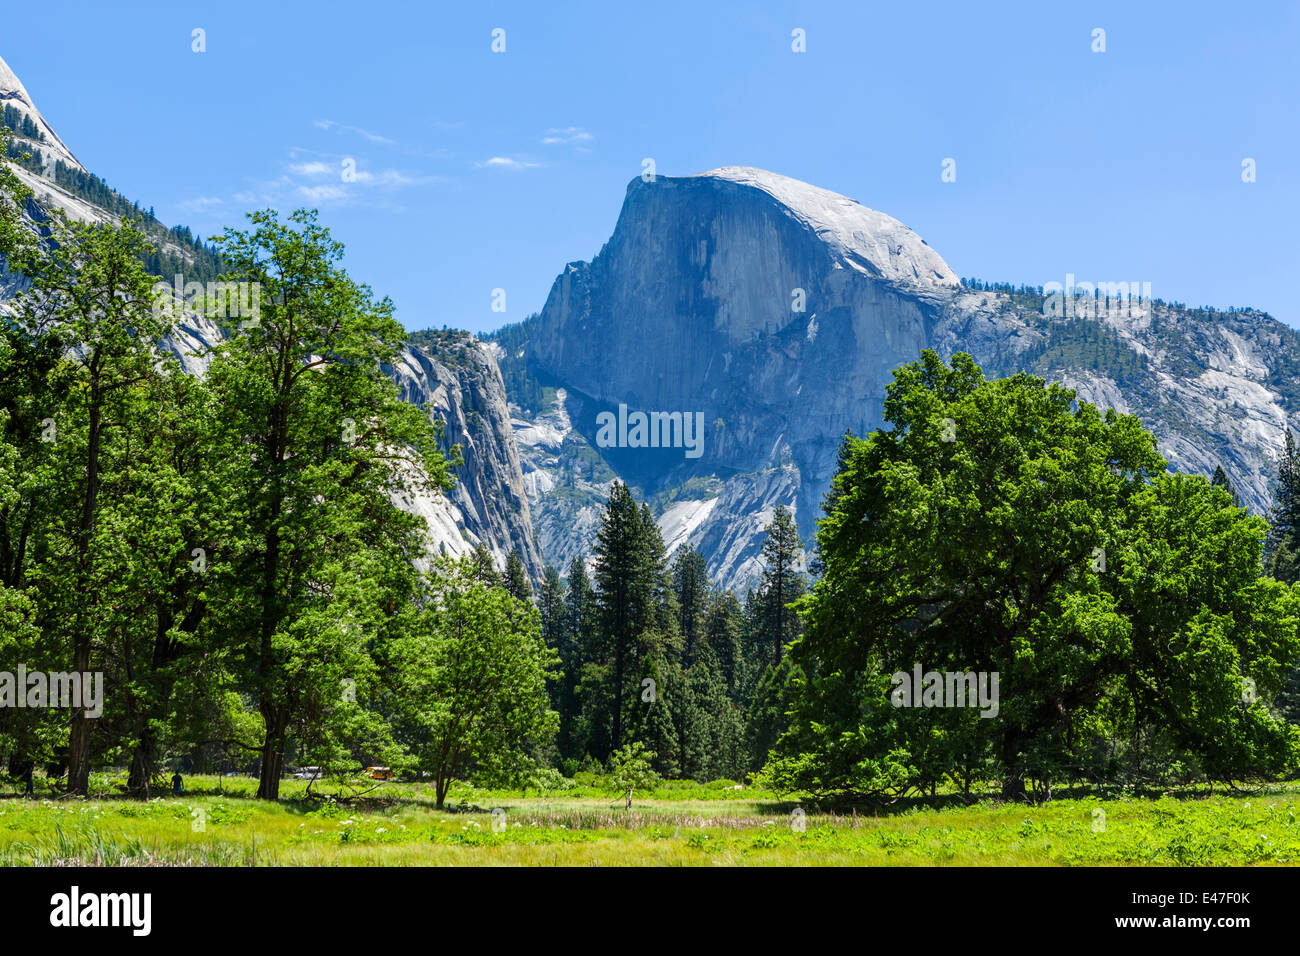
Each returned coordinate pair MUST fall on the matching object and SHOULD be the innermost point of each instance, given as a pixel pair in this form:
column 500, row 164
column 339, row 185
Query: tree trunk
column 142, row 767
column 618, row 698
column 779, row 610
column 144, row 762
column 1013, row 781
column 268, row 781
column 79, row 734
column 275, row 715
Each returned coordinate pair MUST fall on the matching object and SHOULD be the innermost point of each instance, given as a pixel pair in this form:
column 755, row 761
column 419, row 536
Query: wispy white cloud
column 566, row 136
column 506, row 162
column 323, row 193
column 313, row 168
column 328, row 124
column 328, row 180
column 394, row 178
column 316, row 170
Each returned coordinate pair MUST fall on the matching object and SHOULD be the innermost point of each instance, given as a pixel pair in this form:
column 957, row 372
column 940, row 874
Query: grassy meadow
column 218, row 822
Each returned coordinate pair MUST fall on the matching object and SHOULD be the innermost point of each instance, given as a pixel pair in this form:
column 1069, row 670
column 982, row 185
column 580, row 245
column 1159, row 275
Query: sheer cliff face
column 714, row 295
column 780, row 310
column 488, row 503
column 776, row 309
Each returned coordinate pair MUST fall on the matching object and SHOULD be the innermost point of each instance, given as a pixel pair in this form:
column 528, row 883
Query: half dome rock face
column 742, row 276
column 776, row 309
column 861, row 238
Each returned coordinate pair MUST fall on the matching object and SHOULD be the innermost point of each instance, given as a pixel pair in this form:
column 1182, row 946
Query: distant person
column 177, row 783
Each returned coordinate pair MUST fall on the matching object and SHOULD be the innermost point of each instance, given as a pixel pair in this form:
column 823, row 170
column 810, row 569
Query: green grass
column 681, row 823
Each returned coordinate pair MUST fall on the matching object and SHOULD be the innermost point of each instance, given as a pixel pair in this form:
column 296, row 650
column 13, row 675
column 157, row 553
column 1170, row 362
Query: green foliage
column 228, row 550
column 469, row 682
column 1282, row 559
column 1046, row 543
column 316, row 441
column 630, row 770
column 1073, row 344
column 516, row 579
column 524, row 382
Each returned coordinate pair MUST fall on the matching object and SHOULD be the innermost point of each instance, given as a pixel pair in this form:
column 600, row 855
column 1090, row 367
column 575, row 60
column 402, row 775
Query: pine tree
column 576, row 721
column 722, row 636
column 691, row 587
column 516, row 580
column 659, row 631
column 1282, row 553
column 782, row 582
column 560, row 635
column 769, row 710
column 754, row 643
column 1220, row 480
column 550, row 604
column 651, row 717
column 485, row 566
column 580, row 609
column 624, row 595
column 713, row 744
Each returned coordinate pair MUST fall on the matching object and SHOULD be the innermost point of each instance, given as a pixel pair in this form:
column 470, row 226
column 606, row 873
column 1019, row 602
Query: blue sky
column 481, row 170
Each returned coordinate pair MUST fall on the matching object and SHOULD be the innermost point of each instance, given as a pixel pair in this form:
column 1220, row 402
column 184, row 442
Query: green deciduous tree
column 1002, row 527
column 90, row 296
column 472, row 671
column 316, row 444
column 630, row 768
